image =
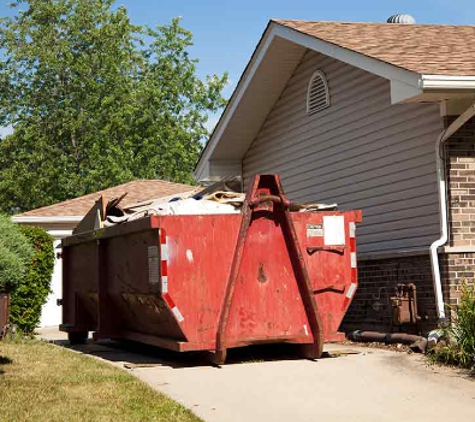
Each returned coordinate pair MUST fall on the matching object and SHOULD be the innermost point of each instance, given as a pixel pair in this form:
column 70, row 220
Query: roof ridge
column 279, row 20
column 154, row 180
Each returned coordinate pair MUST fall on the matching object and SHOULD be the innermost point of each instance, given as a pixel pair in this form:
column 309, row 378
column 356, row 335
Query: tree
column 95, row 101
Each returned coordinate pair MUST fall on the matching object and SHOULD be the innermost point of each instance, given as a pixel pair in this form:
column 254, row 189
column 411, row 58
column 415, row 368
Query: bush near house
column 460, row 349
column 32, row 292
column 15, row 255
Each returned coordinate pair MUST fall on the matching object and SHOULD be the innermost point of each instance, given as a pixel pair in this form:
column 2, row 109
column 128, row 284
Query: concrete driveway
column 359, row 385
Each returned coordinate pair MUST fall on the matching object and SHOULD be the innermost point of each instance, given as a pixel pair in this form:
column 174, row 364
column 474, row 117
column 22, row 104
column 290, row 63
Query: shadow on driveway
column 133, row 354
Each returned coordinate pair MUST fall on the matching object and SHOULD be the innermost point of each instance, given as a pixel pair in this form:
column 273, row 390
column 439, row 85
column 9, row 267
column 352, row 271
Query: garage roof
column 137, row 191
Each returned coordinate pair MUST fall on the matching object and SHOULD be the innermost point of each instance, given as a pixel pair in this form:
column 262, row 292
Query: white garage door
column 51, row 312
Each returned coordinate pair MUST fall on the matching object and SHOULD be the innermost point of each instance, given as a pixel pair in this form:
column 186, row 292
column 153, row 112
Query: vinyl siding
column 225, row 168
column 361, row 153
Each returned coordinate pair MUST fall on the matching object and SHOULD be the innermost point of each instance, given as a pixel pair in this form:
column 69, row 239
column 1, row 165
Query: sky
column 226, row 32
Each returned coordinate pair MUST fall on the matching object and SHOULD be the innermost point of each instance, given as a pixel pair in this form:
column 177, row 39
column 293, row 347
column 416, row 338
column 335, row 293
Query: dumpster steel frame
column 262, row 190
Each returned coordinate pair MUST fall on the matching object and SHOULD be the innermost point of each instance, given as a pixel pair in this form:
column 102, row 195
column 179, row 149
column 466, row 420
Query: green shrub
column 28, row 299
column 15, row 255
column 460, row 349
column 464, row 326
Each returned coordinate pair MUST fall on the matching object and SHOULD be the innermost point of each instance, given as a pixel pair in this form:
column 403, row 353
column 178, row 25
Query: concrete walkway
column 360, row 385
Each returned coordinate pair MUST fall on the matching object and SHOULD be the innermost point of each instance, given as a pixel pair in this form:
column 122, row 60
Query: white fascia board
column 60, row 234
column 353, row 58
column 47, row 220
column 443, row 82
column 377, row 67
column 246, row 78
column 401, row 92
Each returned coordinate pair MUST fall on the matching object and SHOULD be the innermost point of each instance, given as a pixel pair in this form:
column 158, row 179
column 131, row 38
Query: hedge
column 28, row 299
column 16, row 253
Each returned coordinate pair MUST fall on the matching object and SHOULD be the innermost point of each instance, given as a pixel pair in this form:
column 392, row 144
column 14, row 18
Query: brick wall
column 460, row 159
column 371, row 307
column 456, row 268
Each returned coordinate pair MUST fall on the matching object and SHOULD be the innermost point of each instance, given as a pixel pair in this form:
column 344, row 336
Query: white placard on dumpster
column 314, row 230
column 334, row 230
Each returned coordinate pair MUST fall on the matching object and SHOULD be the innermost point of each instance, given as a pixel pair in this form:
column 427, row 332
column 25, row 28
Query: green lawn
column 43, row 382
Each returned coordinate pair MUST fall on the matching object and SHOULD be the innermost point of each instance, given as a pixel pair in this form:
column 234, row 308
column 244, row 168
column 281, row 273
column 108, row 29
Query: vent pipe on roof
column 401, row 18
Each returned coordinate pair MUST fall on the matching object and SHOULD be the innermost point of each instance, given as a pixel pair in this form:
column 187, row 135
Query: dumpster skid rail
column 214, row 282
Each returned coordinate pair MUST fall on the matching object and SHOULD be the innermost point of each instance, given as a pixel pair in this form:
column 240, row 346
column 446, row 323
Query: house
column 60, row 220
column 373, row 116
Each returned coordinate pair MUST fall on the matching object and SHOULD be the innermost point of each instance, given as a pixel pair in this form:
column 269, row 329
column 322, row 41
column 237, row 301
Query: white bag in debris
column 192, row 206
column 188, row 206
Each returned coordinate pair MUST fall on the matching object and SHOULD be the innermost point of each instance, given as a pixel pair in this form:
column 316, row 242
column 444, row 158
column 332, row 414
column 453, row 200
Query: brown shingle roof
column 424, row 49
column 137, row 190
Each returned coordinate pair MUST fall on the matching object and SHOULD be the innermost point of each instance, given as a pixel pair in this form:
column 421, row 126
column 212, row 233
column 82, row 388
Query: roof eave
column 239, row 90
column 406, row 85
column 447, row 82
column 434, row 88
column 408, row 78
column 46, row 220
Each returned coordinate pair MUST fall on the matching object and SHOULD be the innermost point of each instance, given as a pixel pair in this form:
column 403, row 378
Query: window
column 318, row 95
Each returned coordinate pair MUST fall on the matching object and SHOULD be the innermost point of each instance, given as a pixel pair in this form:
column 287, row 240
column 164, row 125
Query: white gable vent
column 318, row 95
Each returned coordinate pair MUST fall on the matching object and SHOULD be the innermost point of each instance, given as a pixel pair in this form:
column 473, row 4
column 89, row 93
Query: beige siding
column 361, row 152
column 225, row 168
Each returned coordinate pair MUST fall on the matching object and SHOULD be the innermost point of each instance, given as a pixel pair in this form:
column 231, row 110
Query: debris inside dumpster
column 218, row 198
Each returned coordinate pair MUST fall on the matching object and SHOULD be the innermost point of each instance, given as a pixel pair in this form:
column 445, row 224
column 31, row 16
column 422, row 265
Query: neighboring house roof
column 137, row 191
column 424, row 49
column 422, row 63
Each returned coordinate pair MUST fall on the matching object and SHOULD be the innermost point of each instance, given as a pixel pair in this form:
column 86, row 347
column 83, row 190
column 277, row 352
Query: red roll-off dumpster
column 213, row 282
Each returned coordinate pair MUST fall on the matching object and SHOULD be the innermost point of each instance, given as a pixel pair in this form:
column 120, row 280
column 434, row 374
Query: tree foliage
column 27, row 300
column 95, row 101
column 15, row 255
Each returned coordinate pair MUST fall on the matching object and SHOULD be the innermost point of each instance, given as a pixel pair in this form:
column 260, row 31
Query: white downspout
column 440, row 160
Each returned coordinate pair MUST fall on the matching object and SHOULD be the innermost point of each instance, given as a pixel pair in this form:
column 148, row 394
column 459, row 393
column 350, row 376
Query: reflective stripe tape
column 348, row 296
column 173, row 307
column 163, row 261
column 164, row 256
column 352, row 230
column 177, row 314
column 169, row 300
column 164, row 252
column 164, row 284
column 353, row 263
column 164, row 268
column 351, row 291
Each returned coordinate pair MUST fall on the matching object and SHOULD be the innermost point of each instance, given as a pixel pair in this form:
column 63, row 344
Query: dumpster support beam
column 263, row 190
